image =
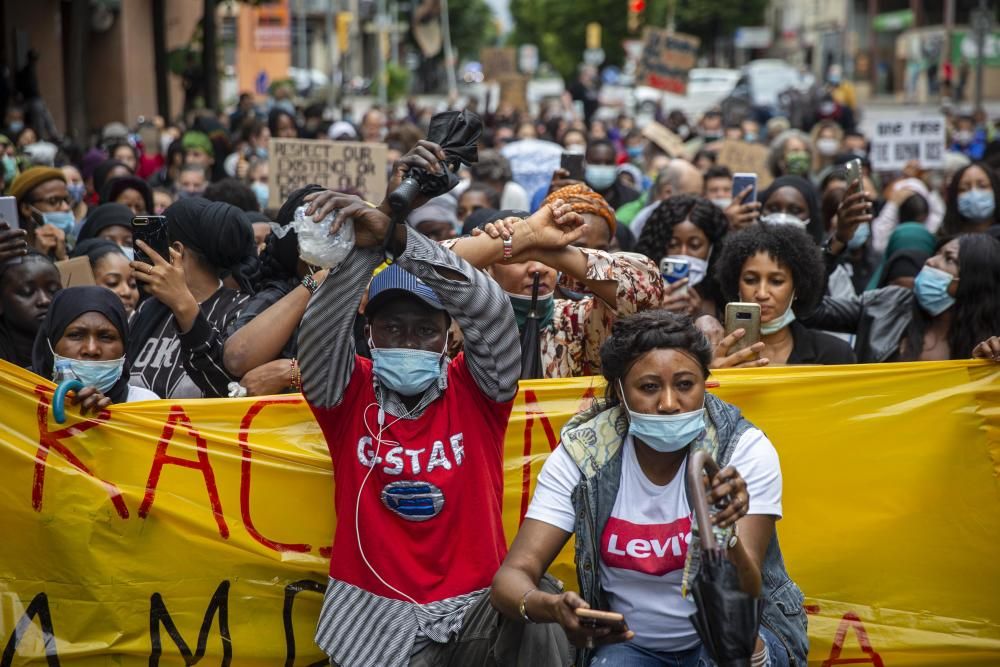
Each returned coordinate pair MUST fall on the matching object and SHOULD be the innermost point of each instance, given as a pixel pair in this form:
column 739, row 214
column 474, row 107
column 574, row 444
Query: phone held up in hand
column 151, row 230
column 744, row 316
column 674, row 269
column 594, row 618
column 573, row 163
column 8, row 212
column 740, row 182
column 854, row 174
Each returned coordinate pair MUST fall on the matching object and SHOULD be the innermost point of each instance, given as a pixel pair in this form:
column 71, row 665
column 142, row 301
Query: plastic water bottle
column 64, row 372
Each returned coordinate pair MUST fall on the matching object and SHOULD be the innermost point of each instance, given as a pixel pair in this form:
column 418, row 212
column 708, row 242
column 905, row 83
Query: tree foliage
column 473, row 26
column 558, row 27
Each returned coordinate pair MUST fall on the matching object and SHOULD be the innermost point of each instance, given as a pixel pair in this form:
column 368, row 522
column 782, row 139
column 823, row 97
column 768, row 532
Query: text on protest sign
column 743, row 156
column 667, row 57
column 337, row 165
column 898, row 138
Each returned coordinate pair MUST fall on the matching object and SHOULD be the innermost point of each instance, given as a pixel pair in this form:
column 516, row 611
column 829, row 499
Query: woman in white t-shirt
column 617, row 482
column 86, row 328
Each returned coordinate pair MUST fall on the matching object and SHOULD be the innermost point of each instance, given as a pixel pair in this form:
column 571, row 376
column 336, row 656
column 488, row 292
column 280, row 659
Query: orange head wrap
column 584, row 200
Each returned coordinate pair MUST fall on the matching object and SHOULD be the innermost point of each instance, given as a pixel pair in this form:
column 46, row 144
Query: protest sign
column 664, row 139
column 182, row 527
column 514, row 91
column 666, row 59
column 75, row 271
column 498, row 62
column 338, row 165
column 742, row 156
column 898, row 137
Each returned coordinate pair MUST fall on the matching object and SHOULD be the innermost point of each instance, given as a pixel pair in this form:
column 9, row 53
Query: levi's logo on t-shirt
column 654, row 549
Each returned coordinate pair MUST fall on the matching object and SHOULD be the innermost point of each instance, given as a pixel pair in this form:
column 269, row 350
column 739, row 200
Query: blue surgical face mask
column 186, row 194
column 781, row 321
column 634, row 152
column 600, row 176
column 100, row 374
column 262, row 192
column 931, row 289
column 977, row 204
column 665, row 433
column 16, row 126
column 404, row 371
column 76, row 192
column 129, row 252
column 861, row 235
column 261, row 152
column 64, row 220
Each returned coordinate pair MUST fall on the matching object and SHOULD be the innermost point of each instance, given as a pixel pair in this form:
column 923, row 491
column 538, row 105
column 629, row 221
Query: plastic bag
column 316, row 246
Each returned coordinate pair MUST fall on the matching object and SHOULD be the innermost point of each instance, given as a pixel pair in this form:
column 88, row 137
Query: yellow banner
column 174, row 530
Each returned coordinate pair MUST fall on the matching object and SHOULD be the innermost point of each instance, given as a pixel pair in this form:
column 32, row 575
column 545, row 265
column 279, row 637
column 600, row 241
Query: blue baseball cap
column 394, row 280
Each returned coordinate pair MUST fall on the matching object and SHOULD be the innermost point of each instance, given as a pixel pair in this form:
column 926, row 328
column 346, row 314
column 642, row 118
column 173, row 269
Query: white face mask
column 723, row 202
column 827, row 146
column 784, row 219
column 697, row 267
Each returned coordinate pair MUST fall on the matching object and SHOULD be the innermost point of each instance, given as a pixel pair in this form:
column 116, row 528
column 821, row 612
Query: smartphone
column 853, row 174
column 595, row 618
column 673, row 269
column 743, row 316
column 151, row 230
column 740, row 182
column 8, row 212
column 573, row 163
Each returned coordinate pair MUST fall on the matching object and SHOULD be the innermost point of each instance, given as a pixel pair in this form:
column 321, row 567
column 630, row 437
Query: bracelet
column 508, row 248
column 296, row 375
column 310, row 284
column 523, row 606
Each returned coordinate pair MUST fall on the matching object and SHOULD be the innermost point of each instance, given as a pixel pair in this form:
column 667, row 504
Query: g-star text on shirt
column 399, row 459
column 654, row 549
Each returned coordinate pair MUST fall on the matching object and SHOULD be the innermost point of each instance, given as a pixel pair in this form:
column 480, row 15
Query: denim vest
column 593, row 439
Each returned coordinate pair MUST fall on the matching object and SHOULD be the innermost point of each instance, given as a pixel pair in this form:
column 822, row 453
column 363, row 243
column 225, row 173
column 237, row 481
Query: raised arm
column 482, row 310
column 326, row 341
column 261, row 333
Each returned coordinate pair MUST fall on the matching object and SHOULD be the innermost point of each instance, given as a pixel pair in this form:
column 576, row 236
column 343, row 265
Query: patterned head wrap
column 584, row 200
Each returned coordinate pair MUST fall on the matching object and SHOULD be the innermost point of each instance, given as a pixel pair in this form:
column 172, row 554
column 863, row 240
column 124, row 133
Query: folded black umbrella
column 531, row 345
column 726, row 618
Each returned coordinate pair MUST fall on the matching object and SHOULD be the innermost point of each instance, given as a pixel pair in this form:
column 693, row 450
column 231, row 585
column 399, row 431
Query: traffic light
column 635, row 9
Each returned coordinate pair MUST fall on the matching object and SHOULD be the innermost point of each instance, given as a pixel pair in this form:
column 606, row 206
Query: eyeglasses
column 54, row 201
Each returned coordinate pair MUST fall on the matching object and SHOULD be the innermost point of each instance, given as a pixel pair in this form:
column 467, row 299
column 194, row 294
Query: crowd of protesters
column 428, row 349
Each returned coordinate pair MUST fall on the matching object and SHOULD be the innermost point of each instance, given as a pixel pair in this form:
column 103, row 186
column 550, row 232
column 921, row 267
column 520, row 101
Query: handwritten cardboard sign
column 666, row 59
column 668, row 141
column 75, row 272
column 746, row 157
column 514, row 91
column 338, row 165
column 498, row 62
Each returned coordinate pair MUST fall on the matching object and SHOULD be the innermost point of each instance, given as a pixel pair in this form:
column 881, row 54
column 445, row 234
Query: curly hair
column 976, row 313
column 654, row 242
column 790, row 247
column 955, row 221
column 635, row 335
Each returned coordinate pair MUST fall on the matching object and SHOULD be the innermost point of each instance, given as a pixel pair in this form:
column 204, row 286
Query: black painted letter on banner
column 291, row 590
column 158, row 614
column 39, row 607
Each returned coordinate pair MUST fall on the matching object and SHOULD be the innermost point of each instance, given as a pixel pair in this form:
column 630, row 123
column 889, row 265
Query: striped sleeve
column 482, row 310
column 326, row 343
column 202, row 347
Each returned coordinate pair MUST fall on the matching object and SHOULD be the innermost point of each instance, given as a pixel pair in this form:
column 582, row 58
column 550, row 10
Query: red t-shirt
column 430, row 512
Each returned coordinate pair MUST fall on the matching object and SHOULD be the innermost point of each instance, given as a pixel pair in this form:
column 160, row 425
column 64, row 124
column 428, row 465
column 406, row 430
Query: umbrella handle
column 698, row 461
column 59, row 399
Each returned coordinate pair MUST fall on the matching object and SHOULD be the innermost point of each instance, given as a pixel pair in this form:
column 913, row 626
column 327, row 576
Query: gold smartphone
column 596, row 618
column 743, row 316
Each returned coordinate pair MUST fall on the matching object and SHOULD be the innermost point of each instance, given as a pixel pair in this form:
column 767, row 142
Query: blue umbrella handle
column 59, row 399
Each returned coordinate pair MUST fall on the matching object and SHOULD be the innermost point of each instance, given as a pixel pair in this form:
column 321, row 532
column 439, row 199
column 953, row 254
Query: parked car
column 707, row 87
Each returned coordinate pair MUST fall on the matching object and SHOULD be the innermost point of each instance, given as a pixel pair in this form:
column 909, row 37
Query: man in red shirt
column 416, row 440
